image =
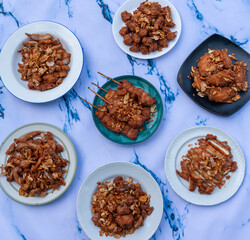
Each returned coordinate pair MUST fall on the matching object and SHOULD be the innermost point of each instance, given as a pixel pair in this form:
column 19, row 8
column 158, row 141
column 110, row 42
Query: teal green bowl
column 149, row 127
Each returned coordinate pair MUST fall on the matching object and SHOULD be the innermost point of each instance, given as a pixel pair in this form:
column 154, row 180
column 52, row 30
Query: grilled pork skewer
column 115, row 125
column 126, row 109
column 134, row 92
column 143, row 97
column 128, row 129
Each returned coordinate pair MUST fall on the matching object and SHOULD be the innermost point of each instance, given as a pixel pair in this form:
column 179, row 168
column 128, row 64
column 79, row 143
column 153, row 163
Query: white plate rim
column 25, row 200
column 101, row 168
column 185, row 193
column 57, row 92
column 139, row 55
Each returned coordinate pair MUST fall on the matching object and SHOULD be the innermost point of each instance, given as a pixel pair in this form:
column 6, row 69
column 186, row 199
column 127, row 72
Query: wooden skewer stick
column 100, row 87
column 109, row 78
column 98, row 95
column 88, row 103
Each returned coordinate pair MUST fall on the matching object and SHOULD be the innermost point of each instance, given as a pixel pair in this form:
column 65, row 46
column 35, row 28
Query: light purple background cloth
column 91, row 22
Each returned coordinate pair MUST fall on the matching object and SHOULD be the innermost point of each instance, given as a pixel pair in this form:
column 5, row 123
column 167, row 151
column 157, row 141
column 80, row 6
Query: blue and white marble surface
column 91, row 21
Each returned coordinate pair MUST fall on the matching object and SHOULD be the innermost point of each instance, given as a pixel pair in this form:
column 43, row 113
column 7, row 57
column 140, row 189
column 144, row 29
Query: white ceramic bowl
column 69, row 153
column 9, row 59
column 180, row 147
column 109, row 172
column 132, row 5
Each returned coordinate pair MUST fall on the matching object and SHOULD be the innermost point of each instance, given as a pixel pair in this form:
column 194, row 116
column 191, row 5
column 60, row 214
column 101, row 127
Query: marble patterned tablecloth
column 91, row 21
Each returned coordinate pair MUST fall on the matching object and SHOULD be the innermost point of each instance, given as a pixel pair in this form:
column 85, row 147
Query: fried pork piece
column 213, row 61
column 218, row 78
column 207, row 165
column 134, row 92
column 44, row 62
column 226, row 60
column 120, row 207
column 135, row 48
column 35, row 164
column 148, row 28
column 223, row 95
column 124, row 31
column 240, row 76
column 127, row 110
column 221, row 79
column 197, row 80
column 115, row 125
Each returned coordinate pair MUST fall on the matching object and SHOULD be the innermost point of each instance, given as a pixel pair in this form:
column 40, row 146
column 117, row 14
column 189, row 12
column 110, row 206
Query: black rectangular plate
column 213, row 42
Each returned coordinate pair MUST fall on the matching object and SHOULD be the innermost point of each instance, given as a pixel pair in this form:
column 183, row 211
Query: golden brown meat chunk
column 128, row 40
column 126, row 16
column 221, row 79
column 240, row 76
column 197, row 80
column 124, row 31
column 135, row 48
column 214, row 61
column 206, row 65
column 224, row 94
column 227, row 62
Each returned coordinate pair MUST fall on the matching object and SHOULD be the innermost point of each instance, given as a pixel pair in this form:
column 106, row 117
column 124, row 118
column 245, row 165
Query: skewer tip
column 98, row 95
column 88, row 103
column 99, row 87
column 109, row 78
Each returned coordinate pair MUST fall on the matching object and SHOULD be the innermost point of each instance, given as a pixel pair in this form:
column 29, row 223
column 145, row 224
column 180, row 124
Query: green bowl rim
column 160, row 103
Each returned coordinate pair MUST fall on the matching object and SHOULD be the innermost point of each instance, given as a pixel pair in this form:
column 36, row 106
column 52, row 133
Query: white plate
column 132, row 5
column 179, row 147
column 9, row 59
column 69, row 153
column 108, row 172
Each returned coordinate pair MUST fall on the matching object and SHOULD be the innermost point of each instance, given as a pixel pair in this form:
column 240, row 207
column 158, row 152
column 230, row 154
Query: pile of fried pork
column 206, row 165
column 218, row 78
